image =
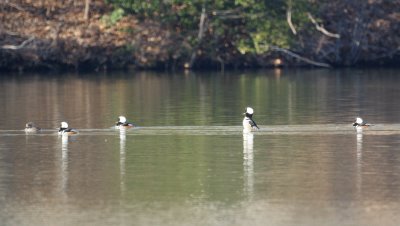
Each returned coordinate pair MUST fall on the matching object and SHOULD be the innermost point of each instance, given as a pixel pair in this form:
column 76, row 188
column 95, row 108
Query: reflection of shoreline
column 248, row 164
column 122, row 156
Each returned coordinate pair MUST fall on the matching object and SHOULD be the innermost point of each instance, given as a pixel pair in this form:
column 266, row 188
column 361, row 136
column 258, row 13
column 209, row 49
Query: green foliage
column 249, row 24
column 114, row 17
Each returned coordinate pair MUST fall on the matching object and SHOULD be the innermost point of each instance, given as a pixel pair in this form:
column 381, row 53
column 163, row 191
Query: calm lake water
column 188, row 162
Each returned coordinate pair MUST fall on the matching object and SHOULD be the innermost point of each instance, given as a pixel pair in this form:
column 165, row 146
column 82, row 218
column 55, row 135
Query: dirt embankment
column 54, row 35
column 368, row 33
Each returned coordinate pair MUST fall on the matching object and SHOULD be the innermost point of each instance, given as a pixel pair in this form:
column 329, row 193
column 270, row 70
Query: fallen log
column 22, row 45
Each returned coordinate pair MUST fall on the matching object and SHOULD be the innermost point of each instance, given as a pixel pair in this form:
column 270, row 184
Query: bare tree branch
column 226, row 12
column 234, row 14
column 199, row 36
column 22, row 45
column 87, row 7
column 289, row 17
column 290, row 53
column 321, row 28
column 15, row 6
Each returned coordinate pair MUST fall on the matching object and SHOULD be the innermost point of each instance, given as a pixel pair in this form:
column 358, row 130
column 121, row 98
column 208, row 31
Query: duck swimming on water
column 359, row 123
column 122, row 123
column 248, row 123
column 65, row 130
column 30, row 127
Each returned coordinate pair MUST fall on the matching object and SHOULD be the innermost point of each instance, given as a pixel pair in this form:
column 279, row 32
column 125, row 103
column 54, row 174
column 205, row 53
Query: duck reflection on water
column 122, row 158
column 248, row 163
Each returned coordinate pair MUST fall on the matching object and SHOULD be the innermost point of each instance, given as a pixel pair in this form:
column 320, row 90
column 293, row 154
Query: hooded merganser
column 248, row 123
column 65, row 130
column 122, row 123
column 359, row 123
column 30, row 127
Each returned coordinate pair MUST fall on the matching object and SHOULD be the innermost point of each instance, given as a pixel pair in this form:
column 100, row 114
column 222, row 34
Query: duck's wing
column 253, row 123
column 128, row 124
column 365, row 124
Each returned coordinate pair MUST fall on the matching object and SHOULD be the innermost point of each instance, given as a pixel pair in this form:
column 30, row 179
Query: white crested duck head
column 359, row 120
column 64, row 125
column 249, row 111
column 122, row 119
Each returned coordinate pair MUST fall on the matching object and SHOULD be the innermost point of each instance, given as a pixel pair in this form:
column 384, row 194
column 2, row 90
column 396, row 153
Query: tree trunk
column 87, row 5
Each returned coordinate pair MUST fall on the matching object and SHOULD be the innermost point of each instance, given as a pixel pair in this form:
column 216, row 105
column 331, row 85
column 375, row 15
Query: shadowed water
column 188, row 162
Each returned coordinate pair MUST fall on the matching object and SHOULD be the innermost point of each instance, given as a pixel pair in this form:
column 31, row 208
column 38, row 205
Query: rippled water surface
column 188, row 162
